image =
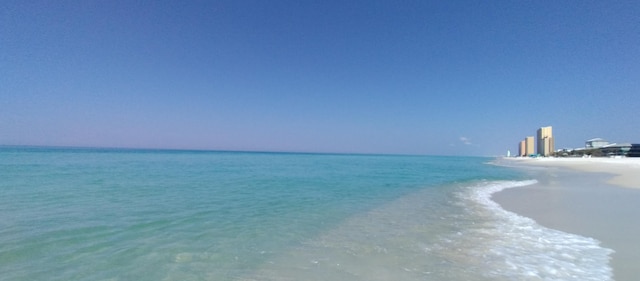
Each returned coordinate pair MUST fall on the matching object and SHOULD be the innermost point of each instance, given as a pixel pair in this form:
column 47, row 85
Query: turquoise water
column 83, row 214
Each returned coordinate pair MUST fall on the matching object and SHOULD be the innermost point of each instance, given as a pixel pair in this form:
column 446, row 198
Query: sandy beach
column 593, row 197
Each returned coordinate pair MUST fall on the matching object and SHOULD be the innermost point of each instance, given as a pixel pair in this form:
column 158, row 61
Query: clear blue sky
column 418, row 77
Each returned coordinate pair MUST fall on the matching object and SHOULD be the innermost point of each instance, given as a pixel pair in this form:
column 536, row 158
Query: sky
column 396, row 77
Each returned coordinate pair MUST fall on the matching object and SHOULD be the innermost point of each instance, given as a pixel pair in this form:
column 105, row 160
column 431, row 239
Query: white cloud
column 465, row 140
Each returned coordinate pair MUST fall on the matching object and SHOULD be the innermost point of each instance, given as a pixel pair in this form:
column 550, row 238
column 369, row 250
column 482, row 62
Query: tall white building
column 545, row 141
column 529, row 144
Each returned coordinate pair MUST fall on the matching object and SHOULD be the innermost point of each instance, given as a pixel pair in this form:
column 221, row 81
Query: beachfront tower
column 545, row 141
column 528, row 144
column 522, row 149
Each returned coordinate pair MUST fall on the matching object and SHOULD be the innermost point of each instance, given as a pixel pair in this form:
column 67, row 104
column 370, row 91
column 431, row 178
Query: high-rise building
column 529, row 144
column 522, row 148
column 545, row 141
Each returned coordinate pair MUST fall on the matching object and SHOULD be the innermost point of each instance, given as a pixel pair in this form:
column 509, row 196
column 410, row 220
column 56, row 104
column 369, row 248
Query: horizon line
column 115, row 148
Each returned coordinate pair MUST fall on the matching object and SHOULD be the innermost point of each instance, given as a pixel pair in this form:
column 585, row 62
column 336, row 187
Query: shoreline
column 626, row 171
column 592, row 197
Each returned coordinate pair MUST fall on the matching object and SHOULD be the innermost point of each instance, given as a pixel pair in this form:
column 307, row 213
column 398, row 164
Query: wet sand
column 598, row 198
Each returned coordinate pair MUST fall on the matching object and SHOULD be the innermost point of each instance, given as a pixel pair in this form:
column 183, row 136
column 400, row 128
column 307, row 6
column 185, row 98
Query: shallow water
column 80, row 214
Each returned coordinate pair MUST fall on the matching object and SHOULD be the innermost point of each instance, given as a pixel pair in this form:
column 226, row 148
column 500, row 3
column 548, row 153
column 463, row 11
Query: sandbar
column 593, row 197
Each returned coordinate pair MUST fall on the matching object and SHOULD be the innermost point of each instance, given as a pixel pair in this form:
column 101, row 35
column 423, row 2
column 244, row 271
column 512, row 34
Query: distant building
column 529, row 146
column 615, row 149
column 522, row 148
column 595, row 143
column 545, row 141
column 609, row 150
column 634, row 151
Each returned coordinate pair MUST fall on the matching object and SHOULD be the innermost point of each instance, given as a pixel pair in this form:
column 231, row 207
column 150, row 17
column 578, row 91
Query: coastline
column 592, row 197
column 626, row 171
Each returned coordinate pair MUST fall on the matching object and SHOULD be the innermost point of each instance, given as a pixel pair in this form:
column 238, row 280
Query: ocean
column 120, row 214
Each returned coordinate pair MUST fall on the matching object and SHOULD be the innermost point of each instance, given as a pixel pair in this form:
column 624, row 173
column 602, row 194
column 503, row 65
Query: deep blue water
column 107, row 214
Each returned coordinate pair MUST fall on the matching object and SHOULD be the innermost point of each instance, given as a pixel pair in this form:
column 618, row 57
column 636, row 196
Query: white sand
column 593, row 197
column 626, row 170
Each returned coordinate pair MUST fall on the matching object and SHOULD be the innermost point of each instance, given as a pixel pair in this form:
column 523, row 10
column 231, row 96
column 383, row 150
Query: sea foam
column 521, row 249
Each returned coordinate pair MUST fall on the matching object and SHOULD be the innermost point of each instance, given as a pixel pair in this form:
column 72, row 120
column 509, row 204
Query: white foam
column 519, row 248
